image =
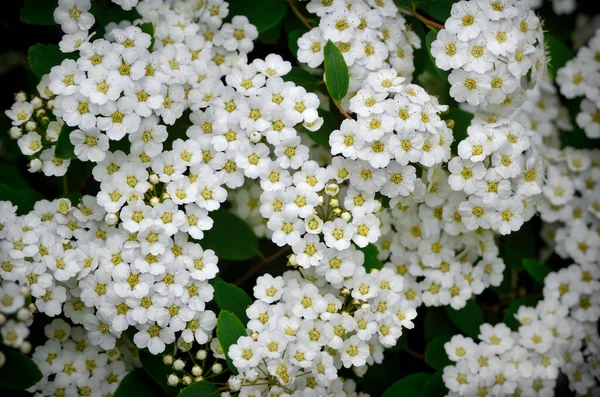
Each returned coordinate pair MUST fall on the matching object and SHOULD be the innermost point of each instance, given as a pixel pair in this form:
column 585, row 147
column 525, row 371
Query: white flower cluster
column 560, row 7
column 495, row 49
column 580, row 77
column 371, row 35
column 72, row 366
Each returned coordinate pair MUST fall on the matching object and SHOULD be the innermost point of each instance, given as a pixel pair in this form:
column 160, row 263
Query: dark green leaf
column 509, row 315
column 136, row 384
column 302, row 78
column 11, row 176
column 148, row 27
column 537, row 270
column 106, row 11
column 232, row 298
column 434, row 387
column 64, row 147
column 230, row 237
column 38, row 12
column 229, row 330
column 438, row 9
column 43, row 57
column 157, row 371
column 435, row 355
column 336, row 72
column 560, row 53
column 468, row 319
column 24, row 199
column 519, row 245
column 263, row 15
column 436, row 323
column 371, row 260
column 19, row 371
column 270, row 36
column 200, row 389
column 410, row 385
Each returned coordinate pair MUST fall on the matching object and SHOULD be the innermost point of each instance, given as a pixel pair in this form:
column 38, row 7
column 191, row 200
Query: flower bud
column 334, row 203
column 154, row 179
column 168, row 359
column 217, row 368
column 346, row 216
column 24, row 315
column 186, row 380
column 37, row 102
column 178, row 365
column 25, row 291
column 234, row 383
column 201, row 355
column 255, row 136
column 173, row 380
column 111, row 219
column 154, row 200
column 196, row 370
column 34, row 165
column 20, row 96
column 25, row 347
column 15, row 132
column 2, row 319
column 30, row 125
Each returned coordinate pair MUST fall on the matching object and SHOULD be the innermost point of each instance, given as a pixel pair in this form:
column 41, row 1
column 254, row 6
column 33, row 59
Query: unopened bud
column 178, row 365
column 345, row 291
column 217, row 368
column 2, row 359
column 154, row 179
column 30, row 125
column 37, row 102
column 25, row 291
column 20, row 96
column 334, row 203
column 186, row 380
column 346, row 216
column 25, row 347
column 111, row 219
column 450, row 123
column 15, row 132
column 154, row 200
column 34, row 165
column 201, row 355
column 337, row 211
column 196, row 370
column 24, row 315
column 332, row 189
column 255, row 136
column 173, row 380
column 2, row 319
column 168, row 359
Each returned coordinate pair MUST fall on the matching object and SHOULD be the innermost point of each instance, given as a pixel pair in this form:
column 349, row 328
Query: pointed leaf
column 336, row 72
column 230, row 237
column 410, row 385
column 203, row 388
column 435, row 354
column 537, row 270
column 229, row 330
column 136, row 383
column 232, row 298
column 19, row 371
column 371, row 260
column 468, row 319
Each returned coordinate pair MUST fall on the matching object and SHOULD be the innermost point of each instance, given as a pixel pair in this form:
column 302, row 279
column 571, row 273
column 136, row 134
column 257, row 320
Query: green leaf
column 468, row 319
column 537, row 270
column 435, row 354
column 438, row 9
column 509, row 315
column 229, row 330
column 293, row 37
column 24, row 199
column 136, row 383
column 11, row 176
column 19, row 371
column 410, row 385
column 232, row 298
column 371, row 260
column 302, row 78
column 157, row 371
column 435, row 387
column 230, row 237
column 336, row 72
column 263, row 15
column 560, row 53
column 105, row 11
column 64, row 147
column 148, row 27
column 436, row 323
column 43, row 57
column 38, row 12
column 519, row 245
column 203, row 388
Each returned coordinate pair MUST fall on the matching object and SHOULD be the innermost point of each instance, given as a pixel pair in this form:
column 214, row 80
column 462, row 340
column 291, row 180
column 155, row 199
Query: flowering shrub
column 303, row 198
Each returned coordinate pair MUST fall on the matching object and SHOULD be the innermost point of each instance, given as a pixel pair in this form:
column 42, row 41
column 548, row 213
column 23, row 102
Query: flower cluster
column 580, row 77
column 495, row 50
column 371, row 35
column 72, row 365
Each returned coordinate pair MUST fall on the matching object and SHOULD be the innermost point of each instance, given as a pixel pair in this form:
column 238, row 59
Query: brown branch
column 254, row 269
column 342, row 111
column 301, row 17
column 428, row 22
column 415, row 354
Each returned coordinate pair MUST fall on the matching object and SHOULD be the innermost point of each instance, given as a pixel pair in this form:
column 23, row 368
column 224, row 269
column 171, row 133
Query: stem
column 342, row 111
column 301, row 17
column 428, row 22
column 415, row 354
column 65, row 184
column 254, row 269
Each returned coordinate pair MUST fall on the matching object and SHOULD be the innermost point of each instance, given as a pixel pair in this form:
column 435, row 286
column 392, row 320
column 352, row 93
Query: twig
column 415, row 354
column 342, row 111
column 301, row 17
column 254, row 269
column 428, row 22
